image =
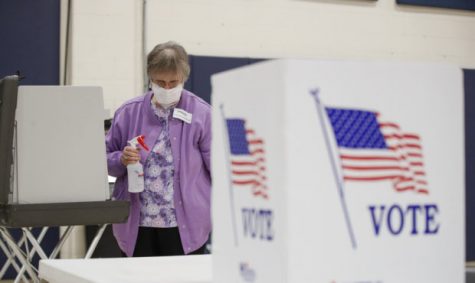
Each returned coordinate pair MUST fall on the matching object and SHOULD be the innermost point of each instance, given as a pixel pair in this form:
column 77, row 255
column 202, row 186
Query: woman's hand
column 129, row 155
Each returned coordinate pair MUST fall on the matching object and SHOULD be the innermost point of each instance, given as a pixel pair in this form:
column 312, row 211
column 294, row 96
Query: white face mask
column 166, row 97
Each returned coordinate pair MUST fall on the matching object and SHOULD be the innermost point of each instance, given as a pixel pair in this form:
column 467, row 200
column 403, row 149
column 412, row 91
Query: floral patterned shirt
column 157, row 209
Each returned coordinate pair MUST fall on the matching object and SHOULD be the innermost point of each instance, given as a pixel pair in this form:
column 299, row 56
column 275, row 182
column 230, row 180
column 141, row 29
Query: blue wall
column 29, row 43
column 451, row 4
column 202, row 67
column 29, row 40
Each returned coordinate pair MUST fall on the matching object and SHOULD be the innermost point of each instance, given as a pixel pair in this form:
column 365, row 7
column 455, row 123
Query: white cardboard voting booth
column 61, row 154
column 338, row 172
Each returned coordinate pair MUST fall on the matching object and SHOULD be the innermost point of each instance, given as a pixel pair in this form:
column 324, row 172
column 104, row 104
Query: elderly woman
column 172, row 215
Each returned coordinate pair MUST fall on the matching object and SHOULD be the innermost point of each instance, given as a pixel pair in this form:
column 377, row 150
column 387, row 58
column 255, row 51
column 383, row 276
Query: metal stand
column 13, row 250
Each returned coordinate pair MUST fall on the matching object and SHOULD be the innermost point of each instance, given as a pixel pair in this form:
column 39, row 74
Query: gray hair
column 168, row 57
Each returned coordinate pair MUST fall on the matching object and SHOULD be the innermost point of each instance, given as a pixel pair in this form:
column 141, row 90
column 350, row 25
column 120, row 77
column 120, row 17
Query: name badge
column 182, row 115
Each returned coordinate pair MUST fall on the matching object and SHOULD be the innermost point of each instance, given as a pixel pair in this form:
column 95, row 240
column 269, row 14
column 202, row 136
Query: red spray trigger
column 141, row 141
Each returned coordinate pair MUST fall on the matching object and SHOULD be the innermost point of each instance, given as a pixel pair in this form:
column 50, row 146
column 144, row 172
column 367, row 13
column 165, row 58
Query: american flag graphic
column 247, row 158
column 374, row 150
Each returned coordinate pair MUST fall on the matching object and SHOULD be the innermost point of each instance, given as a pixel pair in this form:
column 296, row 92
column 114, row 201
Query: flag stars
column 356, row 128
column 237, row 136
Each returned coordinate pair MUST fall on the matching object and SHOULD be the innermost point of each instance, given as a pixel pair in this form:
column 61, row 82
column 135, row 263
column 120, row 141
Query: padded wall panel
column 29, row 43
column 469, row 81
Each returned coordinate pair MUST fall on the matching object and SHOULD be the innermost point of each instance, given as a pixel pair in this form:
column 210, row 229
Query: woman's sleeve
column 114, row 147
column 205, row 142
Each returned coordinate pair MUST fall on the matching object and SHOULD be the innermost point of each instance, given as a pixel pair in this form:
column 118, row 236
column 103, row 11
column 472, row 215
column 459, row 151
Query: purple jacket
column 191, row 147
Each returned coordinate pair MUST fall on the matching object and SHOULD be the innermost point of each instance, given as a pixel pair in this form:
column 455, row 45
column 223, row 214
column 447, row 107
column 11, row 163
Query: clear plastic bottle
column 135, row 177
column 135, row 173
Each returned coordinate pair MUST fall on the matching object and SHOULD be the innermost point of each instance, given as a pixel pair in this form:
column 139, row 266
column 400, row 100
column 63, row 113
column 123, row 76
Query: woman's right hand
column 129, row 155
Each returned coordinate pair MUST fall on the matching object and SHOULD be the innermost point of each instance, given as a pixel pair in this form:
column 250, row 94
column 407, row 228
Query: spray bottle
column 135, row 170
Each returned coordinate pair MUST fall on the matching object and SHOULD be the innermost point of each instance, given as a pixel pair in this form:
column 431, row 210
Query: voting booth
column 327, row 171
column 53, row 170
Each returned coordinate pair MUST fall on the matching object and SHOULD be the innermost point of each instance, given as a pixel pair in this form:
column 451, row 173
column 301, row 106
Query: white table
column 170, row 269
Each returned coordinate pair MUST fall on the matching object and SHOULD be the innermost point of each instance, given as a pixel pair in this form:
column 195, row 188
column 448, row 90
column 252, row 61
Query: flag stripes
column 247, row 158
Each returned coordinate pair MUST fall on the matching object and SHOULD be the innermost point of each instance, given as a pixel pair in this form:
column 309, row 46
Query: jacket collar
column 182, row 104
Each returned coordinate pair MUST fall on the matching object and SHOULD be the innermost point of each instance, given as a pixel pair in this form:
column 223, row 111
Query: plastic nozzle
column 139, row 140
